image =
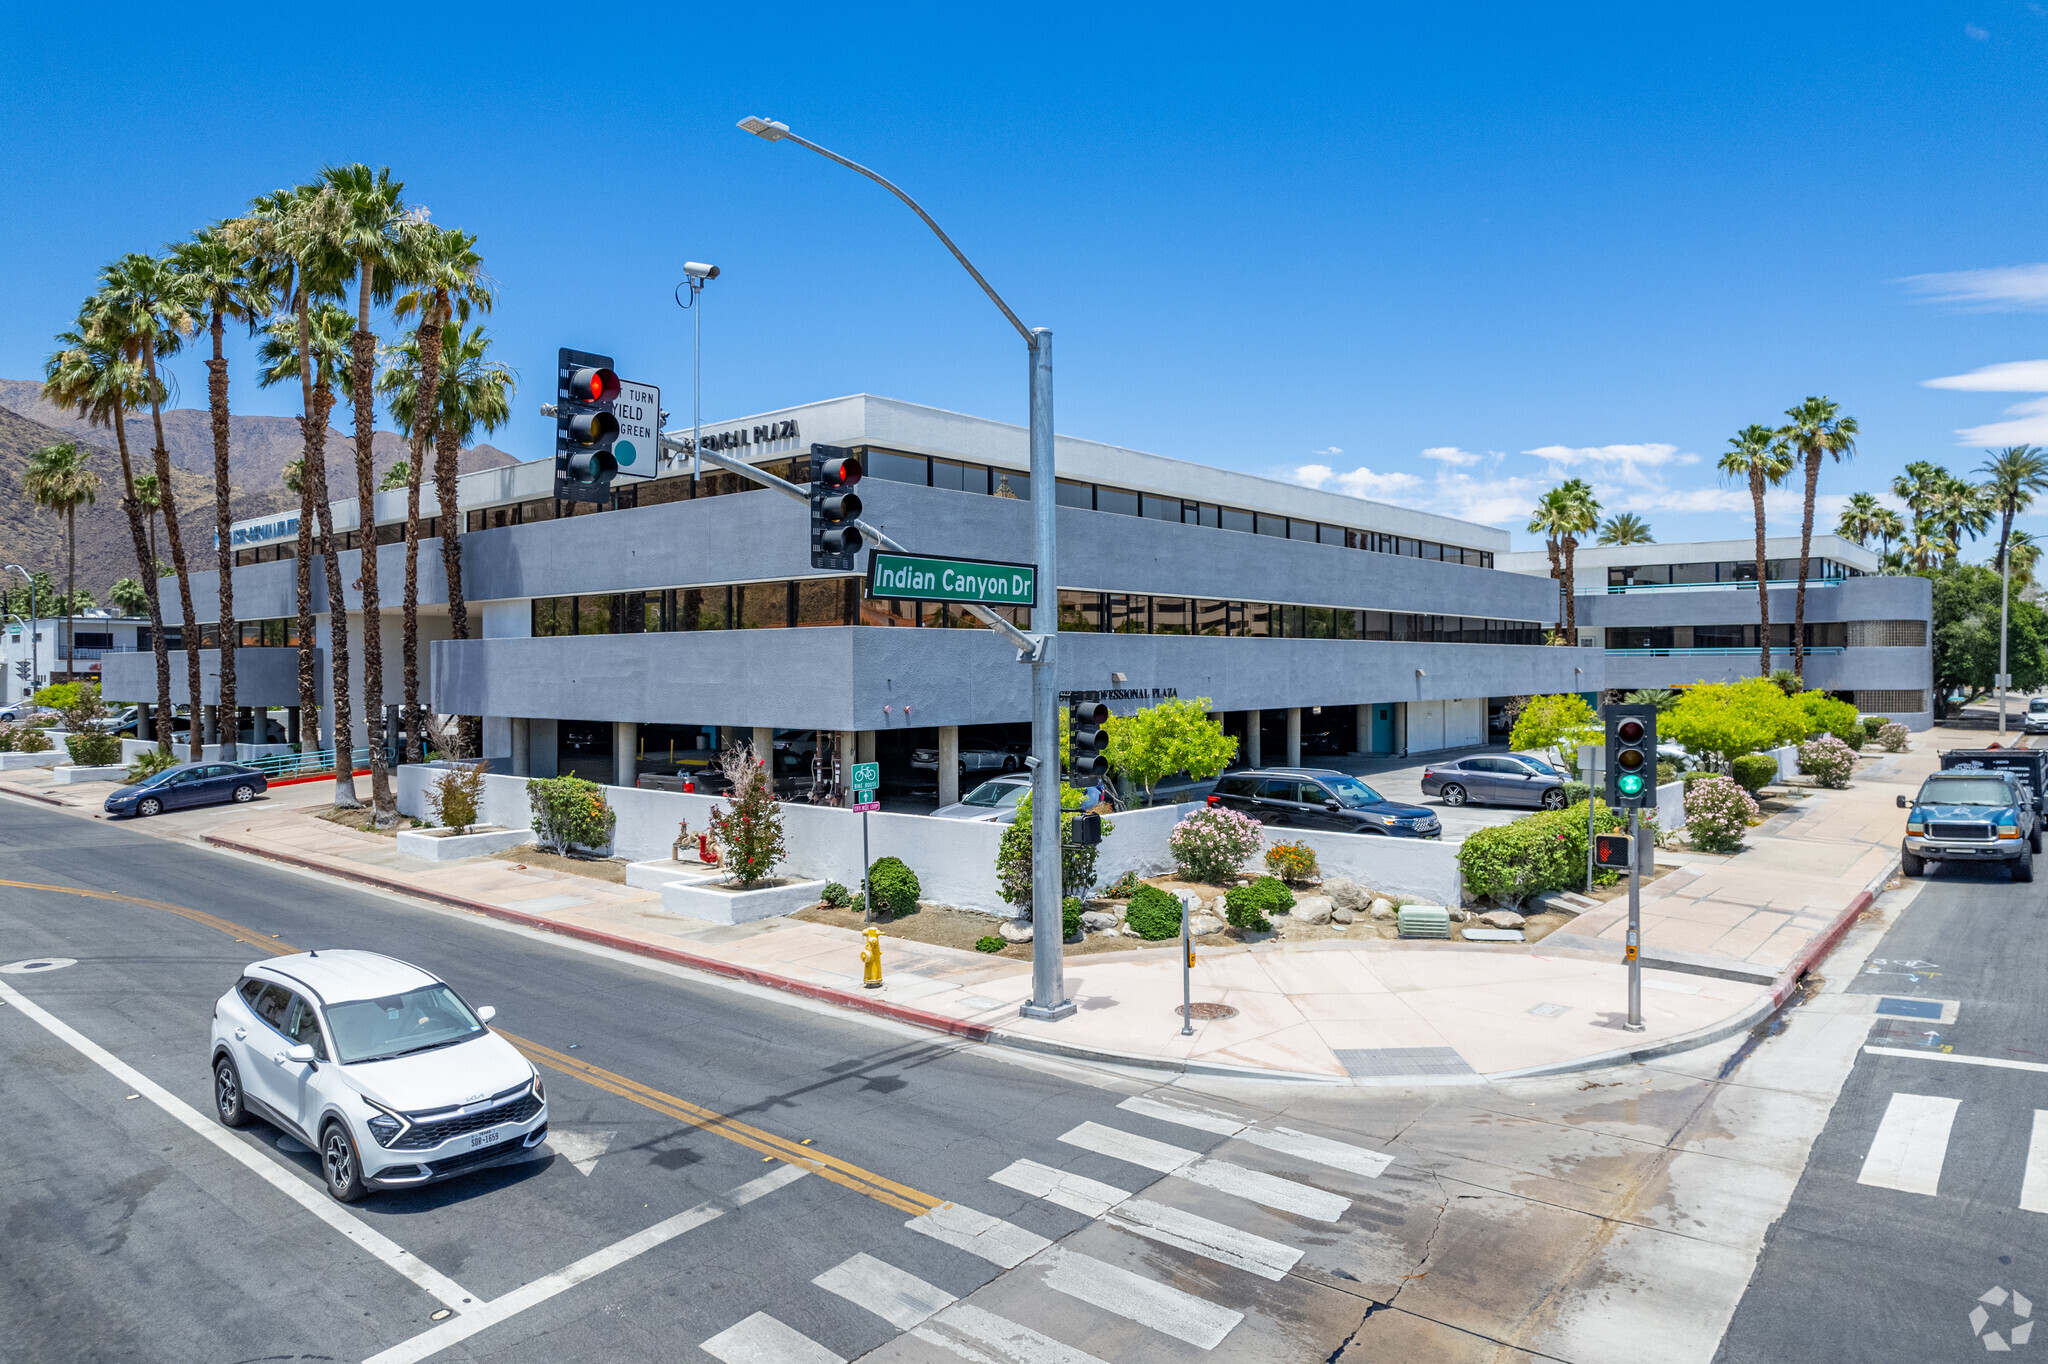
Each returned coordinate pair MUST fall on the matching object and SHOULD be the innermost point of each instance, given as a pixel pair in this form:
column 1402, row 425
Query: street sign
column 638, row 448
column 919, row 577
column 867, row 776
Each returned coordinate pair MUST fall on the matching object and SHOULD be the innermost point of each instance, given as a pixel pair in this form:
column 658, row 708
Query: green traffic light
column 1629, row 783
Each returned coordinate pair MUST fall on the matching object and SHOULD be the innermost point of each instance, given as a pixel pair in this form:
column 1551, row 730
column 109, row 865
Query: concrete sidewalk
column 1725, row 939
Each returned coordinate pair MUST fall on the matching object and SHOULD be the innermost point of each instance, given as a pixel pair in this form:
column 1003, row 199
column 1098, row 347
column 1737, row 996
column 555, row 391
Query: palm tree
column 149, row 495
column 475, row 396
column 1562, row 515
column 1759, row 457
column 1626, row 528
column 128, row 597
column 2012, row 477
column 1858, row 520
column 1887, row 527
column 149, row 305
column 56, row 480
column 1817, row 430
column 2025, row 553
column 218, row 275
column 309, row 686
column 94, row 375
column 1958, row 508
column 373, row 236
column 1549, row 515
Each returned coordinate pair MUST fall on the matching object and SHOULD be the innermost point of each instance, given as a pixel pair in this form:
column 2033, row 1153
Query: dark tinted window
column 895, row 468
column 270, row 1006
column 1235, row 520
column 249, row 989
column 1116, row 500
column 1271, row 525
column 1279, row 788
column 1237, row 786
column 1080, row 495
column 1161, row 508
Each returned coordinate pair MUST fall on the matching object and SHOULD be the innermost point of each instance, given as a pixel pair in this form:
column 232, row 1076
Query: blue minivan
column 187, row 784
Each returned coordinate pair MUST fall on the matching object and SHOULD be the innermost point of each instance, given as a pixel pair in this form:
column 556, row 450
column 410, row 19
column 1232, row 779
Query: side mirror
column 1331, row 804
column 486, row 1013
column 302, row 1055
column 1905, row 804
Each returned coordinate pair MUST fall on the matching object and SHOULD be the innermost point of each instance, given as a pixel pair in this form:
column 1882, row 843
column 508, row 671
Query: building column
column 849, row 754
column 522, row 746
column 1253, row 755
column 764, row 746
column 1401, row 728
column 864, row 745
column 625, row 752
column 293, row 718
column 209, row 724
column 1294, row 736
column 949, row 764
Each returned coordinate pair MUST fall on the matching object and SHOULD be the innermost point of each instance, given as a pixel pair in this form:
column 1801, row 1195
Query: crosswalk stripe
column 999, row 1242
column 761, row 1339
column 1910, row 1145
column 1129, row 1146
column 985, row 1338
column 1337, row 1155
column 1089, row 1197
column 1187, row 1115
column 1212, row 1240
column 896, row 1296
column 1285, row 1195
column 2034, row 1188
column 1164, row 1309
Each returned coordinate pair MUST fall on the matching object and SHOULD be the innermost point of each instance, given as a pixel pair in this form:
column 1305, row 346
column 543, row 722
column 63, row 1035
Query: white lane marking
column 1212, row 1240
column 1118, row 1144
column 761, row 1339
column 1286, row 1195
column 896, row 1296
column 1910, row 1145
column 1998, row 1061
column 1164, row 1309
column 984, row 1338
column 1089, row 1197
column 2034, row 1188
column 580, row 1149
column 1186, row 1115
column 310, row 1197
column 999, row 1242
column 1335, row 1154
column 460, row 1328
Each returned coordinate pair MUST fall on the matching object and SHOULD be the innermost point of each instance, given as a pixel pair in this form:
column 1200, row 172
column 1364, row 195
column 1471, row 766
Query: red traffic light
column 1629, row 731
column 592, row 385
column 843, row 472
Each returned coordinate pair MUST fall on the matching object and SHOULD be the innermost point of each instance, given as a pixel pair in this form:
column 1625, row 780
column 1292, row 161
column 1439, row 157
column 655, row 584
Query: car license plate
column 485, row 1138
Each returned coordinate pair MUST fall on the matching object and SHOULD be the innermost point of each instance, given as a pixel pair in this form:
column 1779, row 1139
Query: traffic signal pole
column 1635, row 923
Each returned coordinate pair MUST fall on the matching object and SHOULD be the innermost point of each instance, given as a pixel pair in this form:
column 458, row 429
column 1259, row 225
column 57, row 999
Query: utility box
column 1423, row 921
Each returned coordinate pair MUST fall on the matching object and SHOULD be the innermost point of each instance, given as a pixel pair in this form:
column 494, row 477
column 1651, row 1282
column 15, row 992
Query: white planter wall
column 71, row 775
column 12, row 762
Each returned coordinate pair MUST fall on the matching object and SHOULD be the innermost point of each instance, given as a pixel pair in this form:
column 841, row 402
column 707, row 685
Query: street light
column 34, row 665
column 696, row 275
column 1048, row 981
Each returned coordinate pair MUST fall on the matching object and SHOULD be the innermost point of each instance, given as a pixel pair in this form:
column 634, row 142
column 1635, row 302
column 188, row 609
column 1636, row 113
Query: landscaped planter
column 443, row 845
column 705, row 898
column 659, row 871
column 70, row 774
column 14, row 762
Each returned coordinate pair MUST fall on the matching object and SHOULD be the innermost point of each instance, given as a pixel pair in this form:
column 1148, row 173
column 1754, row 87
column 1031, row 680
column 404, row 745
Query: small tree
column 458, row 796
column 1013, row 857
column 85, row 719
column 1555, row 722
column 748, row 831
column 1173, row 736
column 569, row 812
column 1826, row 715
column 1734, row 718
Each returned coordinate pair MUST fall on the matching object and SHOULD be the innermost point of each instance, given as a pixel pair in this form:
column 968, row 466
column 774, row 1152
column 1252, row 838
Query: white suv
column 377, row 1066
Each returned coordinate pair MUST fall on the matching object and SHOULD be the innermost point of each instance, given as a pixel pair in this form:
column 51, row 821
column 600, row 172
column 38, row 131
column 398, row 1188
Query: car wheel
column 1553, row 799
column 1452, row 794
column 2023, row 867
column 1912, row 864
column 227, row 1094
column 2034, row 839
column 149, row 805
column 1009, row 763
column 338, row 1163
column 244, row 794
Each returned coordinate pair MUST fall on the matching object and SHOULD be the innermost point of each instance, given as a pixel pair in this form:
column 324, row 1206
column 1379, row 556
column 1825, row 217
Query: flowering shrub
column 1294, row 863
column 569, row 812
column 1124, row 887
column 748, row 831
column 1827, row 760
column 1716, row 813
column 1892, row 738
column 1211, row 844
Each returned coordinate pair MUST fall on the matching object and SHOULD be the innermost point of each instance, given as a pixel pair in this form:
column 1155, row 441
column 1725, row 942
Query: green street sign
column 867, row 776
column 918, row 577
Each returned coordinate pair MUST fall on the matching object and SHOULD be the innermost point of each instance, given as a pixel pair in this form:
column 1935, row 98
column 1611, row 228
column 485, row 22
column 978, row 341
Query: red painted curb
column 317, row 776
column 1823, row 943
column 37, row 795
column 845, row 999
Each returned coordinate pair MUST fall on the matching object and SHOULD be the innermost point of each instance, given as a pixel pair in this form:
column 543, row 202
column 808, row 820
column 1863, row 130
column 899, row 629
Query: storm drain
column 1551, row 1010
column 1364, row 1062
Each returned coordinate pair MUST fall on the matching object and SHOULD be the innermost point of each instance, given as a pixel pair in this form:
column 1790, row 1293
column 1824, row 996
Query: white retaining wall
column 131, row 749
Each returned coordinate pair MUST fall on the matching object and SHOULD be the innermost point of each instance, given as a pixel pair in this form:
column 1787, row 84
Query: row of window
column 253, row 634
column 1726, row 571
column 393, row 534
column 1819, row 635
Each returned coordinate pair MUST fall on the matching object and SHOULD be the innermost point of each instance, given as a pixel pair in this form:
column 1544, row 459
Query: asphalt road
column 130, row 1235
column 1908, row 1216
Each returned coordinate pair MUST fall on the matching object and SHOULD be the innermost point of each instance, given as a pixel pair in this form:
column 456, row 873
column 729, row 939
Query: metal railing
column 1742, row 584
column 311, row 762
column 84, row 651
column 1744, row 652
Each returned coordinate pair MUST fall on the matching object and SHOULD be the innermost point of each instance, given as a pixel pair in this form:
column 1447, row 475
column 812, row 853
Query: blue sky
column 1441, row 255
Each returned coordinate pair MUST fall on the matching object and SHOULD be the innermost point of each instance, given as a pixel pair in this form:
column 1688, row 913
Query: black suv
column 1319, row 798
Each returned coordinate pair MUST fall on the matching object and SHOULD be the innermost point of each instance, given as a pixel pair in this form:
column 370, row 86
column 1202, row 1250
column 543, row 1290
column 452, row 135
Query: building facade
column 36, row 653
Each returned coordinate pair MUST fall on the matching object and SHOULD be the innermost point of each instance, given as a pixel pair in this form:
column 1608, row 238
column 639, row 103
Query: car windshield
column 2037, row 705
column 995, row 794
column 1966, row 791
column 1353, row 792
column 398, row 1025
column 1542, row 767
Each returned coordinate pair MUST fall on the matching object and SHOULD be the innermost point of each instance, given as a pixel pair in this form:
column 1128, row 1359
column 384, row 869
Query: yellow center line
column 841, row 1172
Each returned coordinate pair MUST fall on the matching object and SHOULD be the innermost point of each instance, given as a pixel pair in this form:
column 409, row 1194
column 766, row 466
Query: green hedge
column 1247, row 906
column 894, row 886
column 1070, row 918
column 1507, row 863
column 1754, row 771
column 1153, row 913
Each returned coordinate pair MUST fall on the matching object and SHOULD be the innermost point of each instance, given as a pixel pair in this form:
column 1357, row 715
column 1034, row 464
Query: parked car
column 1496, row 779
column 2037, row 716
column 1319, row 798
column 189, row 784
column 980, row 758
column 383, row 1070
column 1972, row 814
column 26, row 712
column 993, row 801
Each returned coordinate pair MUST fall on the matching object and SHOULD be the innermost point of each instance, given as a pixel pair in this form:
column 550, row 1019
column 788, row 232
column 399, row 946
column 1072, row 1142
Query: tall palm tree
column 56, row 480
column 2013, row 477
column 1917, row 486
column 1759, row 457
column 1817, row 430
column 149, row 495
column 447, row 279
column 373, row 236
column 1858, row 520
column 309, row 686
column 93, row 374
column 150, row 305
column 1958, row 508
column 216, row 268
column 1887, row 526
column 2025, row 553
column 1626, row 528
column 1562, row 515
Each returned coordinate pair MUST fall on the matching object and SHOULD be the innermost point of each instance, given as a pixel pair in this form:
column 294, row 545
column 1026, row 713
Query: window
column 1279, row 789
column 894, row 467
column 400, row 1024
column 271, row 1005
column 1233, row 519
column 1301, row 530
column 1155, row 508
column 302, row 1027
column 964, row 478
column 1116, row 500
column 1010, row 483
column 1072, row 494
column 249, row 989
column 1270, row 525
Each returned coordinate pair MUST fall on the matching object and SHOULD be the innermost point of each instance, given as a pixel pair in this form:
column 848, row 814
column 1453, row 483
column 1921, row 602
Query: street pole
column 35, row 668
column 1635, row 922
column 1187, row 964
column 2004, row 597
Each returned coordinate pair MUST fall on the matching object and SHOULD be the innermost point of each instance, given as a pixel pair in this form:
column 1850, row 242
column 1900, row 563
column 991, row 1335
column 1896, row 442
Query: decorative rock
column 1382, row 908
column 1342, row 915
column 1346, row 894
column 1458, row 915
column 1215, row 906
column 1015, row 930
column 1312, row 909
column 1205, row 923
column 1097, row 920
column 1502, row 918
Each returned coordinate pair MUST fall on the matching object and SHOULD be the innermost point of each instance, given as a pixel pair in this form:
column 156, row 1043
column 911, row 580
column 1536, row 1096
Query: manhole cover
column 1206, row 1011
column 35, row 965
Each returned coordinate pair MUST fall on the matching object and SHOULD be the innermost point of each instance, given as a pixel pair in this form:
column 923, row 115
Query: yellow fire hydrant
column 871, row 960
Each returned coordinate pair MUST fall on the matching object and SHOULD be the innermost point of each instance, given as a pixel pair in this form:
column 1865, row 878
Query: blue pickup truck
column 1985, row 805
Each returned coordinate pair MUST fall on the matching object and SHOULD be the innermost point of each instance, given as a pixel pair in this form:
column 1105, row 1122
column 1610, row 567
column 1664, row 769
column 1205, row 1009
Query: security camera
column 699, row 270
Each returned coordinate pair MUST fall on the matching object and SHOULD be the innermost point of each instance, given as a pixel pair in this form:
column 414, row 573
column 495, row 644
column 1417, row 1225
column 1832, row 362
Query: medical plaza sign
column 284, row 528
column 916, row 577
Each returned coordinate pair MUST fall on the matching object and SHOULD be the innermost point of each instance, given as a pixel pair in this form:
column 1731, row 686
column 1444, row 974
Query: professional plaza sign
column 918, row 577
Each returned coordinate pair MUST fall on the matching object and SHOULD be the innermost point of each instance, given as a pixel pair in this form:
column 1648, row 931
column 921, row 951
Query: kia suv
column 381, row 1069
column 1320, row 798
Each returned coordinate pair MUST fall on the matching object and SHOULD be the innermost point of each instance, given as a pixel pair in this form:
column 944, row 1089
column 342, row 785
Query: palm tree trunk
column 1571, row 602
column 313, row 479
column 308, row 736
column 425, row 421
column 188, row 631
column 1763, row 591
column 447, row 450
column 157, row 644
column 230, row 635
column 1805, row 552
column 70, row 588
column 363, row 348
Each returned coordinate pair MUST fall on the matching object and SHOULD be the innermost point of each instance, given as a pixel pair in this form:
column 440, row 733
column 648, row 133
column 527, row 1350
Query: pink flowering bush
column 1717, row 811
column 1211, row 844
column 1827, row 760
column 1892, row 738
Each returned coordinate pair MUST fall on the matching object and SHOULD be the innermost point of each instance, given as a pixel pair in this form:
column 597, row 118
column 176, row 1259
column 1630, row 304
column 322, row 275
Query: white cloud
column 2013, row 376
column 2005, row 286
column 2027, row 424
column 1974, row 33
column 1333, row 450
column 1632, row 463
column 1359, row 482
column 1452, row 455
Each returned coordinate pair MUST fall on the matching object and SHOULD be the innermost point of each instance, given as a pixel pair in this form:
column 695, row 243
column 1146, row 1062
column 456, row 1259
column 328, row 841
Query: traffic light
column 1613, row 851
column 835, row 540
column 585, row 426
column 1632, row 757
column 1086, row 738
